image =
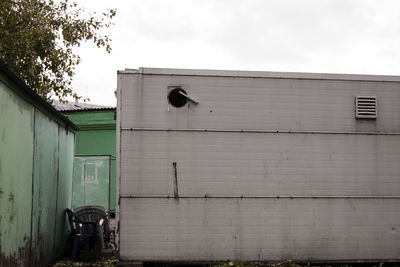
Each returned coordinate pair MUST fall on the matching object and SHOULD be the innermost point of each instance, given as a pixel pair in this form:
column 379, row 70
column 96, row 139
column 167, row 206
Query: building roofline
column 262, row 74
column 79, row 107
column 87, row 109
column 33, row 98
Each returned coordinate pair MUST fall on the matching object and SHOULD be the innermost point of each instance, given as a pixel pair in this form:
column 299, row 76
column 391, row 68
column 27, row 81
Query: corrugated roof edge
column 78, row 107
column 262, row 74
column 32, row 97
column 88, row 109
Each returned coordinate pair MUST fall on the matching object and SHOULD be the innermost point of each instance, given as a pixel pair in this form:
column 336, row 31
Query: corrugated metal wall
column 36, row 157
column 16, row 165
column 64, row 188
column 268, row 168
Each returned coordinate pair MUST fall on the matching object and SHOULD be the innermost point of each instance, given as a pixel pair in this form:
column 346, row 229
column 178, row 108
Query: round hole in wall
column 176, row 99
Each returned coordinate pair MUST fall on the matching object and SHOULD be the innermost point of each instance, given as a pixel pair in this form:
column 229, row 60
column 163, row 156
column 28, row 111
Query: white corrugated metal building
column 217, row 165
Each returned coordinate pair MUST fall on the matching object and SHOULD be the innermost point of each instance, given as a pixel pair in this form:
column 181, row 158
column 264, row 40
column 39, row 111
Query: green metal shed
column 36, row 164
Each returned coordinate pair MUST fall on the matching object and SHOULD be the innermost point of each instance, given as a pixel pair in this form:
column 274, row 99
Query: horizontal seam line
column 261, row 197
column 255, row 131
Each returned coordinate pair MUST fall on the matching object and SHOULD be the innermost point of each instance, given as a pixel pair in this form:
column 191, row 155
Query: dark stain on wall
column 11, row 197
column 20, row 258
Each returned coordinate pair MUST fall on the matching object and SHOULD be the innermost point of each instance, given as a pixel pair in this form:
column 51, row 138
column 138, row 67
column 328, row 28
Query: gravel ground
column 102, row 262
column 112, row 261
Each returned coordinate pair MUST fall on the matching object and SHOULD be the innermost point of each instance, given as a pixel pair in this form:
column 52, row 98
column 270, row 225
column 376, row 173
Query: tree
column 38, row 37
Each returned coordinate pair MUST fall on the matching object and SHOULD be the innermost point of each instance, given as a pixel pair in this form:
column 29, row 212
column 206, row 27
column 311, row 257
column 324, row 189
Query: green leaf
column 37, row 37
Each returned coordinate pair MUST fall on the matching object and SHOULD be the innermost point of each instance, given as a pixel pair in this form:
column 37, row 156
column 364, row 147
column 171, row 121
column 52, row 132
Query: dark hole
column 176, row 99
column 112, row 214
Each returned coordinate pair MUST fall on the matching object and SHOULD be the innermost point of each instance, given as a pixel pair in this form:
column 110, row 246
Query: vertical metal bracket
column 176, row 195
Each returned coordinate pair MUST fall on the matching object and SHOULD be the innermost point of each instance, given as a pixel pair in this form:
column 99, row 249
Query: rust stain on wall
column 11, row 197
column 40, row 258
column 19, row 258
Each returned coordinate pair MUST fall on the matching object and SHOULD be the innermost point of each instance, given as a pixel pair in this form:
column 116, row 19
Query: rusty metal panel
column 44, row 202
column 16, row 162
column 64, row 187
column 259, row 229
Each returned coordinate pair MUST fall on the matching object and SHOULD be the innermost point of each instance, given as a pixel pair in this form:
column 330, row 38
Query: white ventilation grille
column 366, row 107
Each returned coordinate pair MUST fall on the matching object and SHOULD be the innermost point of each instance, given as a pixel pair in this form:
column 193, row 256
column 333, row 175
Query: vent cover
column 366, row 107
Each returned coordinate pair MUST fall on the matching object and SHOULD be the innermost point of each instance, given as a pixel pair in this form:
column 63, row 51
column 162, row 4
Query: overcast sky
column 333, row 36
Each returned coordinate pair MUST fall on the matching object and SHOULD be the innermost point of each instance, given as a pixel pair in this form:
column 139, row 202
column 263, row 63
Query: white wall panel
column 254, row 164
column 258, row 103
column 259, row 229
column 329, row 154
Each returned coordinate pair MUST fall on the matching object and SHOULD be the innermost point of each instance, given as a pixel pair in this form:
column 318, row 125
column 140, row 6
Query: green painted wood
column 16, row 162
column 44, row 189
column 93, row 119
column 95, row 142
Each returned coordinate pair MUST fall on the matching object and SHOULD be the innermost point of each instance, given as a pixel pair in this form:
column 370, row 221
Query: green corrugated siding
column 44, row 187
column 36, row 158
column 16, row 162
column 66, row 153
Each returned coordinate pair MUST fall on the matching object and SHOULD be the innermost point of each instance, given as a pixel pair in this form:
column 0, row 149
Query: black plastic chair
column 98, row 215
column 81, row 230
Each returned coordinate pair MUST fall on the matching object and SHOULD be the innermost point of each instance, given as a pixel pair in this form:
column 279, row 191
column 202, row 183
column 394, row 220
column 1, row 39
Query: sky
column 328, row 36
